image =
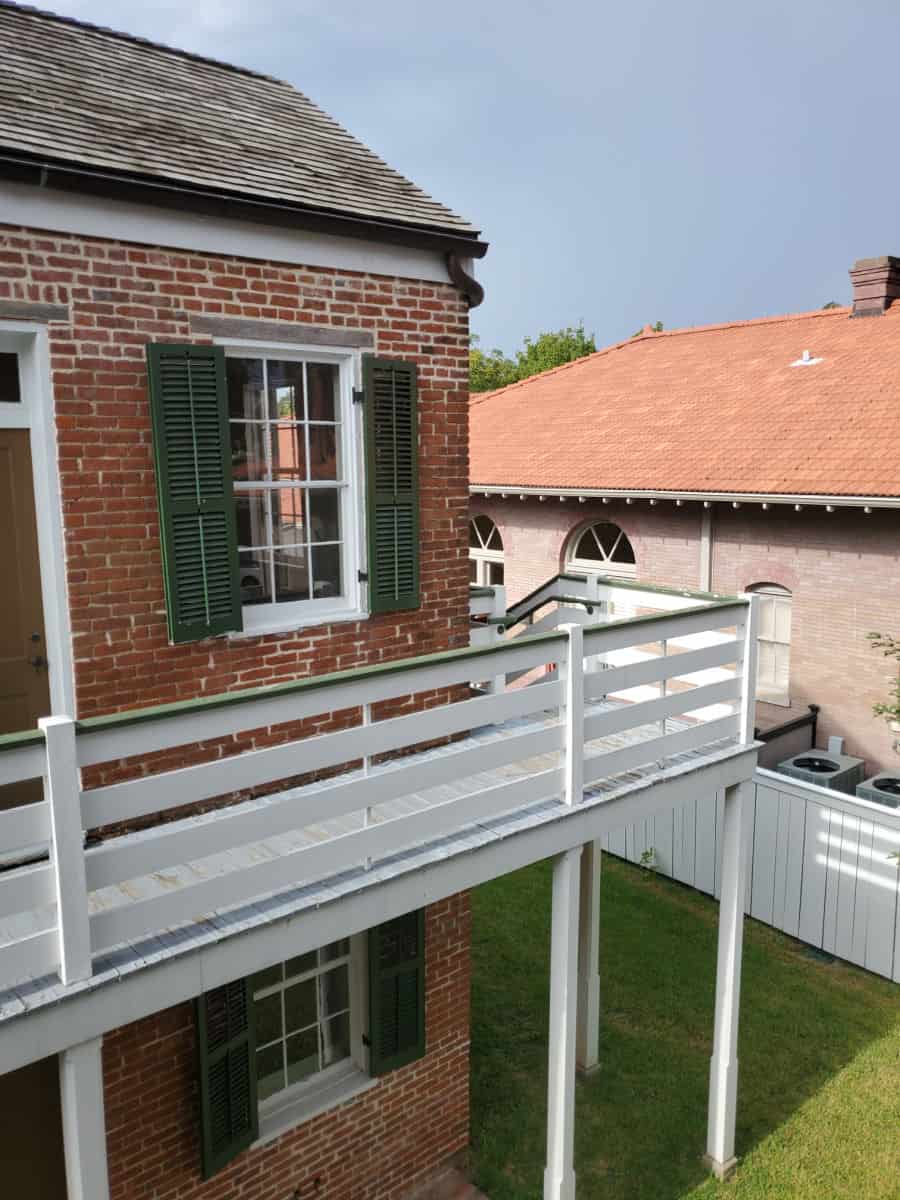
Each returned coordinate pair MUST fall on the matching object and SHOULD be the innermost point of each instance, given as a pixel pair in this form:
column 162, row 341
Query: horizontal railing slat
column 642, row 631
column 135, row 920
column 25, row 888
column 27, row 825
column 632, row 716
column 658, row 668
column 30, row 957
column 21, row 763
column 124, row 858
column 103, row 743
column 638, row 754
column 188, row 785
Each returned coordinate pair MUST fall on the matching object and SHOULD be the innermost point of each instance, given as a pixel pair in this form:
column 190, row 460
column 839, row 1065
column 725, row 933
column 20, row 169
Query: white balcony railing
column 373, row 785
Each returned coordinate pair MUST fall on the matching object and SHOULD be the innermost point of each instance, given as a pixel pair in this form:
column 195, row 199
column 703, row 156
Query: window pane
column 267, row 1014
column 299, row 966
column 495, row 574
column 326, row 571
column 255, row 575
column 302, row 1055
column 288, row 453
column 285, row 390
column 335, row 1040
column 322, row 379
column 323, row 459
column 766, row 664
column 473, row 571
column 248, row 452
column 291, row 574
column 244, row 377
column 766, row 617
column 324, row 525
column 288, row 516
column 335, row 990
column 264, row 979
column 300, row 1005
column 250, row 509
column 783, row 619
column 270, row 1070
column 9, row 379
column 336, row 950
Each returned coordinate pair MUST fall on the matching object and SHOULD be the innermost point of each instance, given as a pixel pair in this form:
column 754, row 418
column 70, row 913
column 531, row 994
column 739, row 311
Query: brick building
column 217, row 525
column 761, row 455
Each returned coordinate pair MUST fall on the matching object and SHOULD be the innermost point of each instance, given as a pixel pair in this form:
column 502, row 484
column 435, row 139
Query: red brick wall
column 122, row 296
column 372, row 1148
column 843, row 569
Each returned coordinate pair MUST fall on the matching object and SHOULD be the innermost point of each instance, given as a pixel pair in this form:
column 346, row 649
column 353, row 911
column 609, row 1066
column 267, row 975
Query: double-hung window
column 287, row 495
column 773, row 675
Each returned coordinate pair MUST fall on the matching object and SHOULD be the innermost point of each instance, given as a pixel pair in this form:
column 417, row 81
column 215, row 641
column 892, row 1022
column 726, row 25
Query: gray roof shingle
column 78, row 94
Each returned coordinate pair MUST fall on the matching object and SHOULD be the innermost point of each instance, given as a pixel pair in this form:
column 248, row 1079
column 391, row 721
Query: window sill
column 335, row 1085
column 339, row 617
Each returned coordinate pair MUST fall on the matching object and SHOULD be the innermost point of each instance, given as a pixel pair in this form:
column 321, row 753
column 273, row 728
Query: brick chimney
column 876, row 284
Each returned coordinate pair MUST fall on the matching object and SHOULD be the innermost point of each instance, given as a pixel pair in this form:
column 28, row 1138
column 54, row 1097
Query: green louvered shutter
column 189, row 407
column 392, row 470
column 396, row 993
column 228, row 1113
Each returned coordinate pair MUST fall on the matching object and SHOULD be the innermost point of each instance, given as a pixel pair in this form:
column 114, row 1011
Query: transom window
column 603, row 548
column 774, row 643
column 485, row 552
column 301, row 1010
column 292, row 463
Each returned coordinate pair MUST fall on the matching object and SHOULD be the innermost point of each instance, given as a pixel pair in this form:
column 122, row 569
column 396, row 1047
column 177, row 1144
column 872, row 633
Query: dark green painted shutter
column 392, row 470
column 229, row 1120
column 396, row 993
column 189, row 406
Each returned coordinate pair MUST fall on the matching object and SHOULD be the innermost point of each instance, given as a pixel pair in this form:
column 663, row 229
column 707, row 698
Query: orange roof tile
column 718, row 408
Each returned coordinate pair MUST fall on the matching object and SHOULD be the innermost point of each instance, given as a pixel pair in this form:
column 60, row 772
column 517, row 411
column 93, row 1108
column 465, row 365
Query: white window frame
column 298, row 614
column 769, row 691
column 597, row 566
column 339, row 1082
column 482, row 556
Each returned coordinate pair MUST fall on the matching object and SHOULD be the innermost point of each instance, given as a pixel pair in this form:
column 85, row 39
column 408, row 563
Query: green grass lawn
column 818, row 1111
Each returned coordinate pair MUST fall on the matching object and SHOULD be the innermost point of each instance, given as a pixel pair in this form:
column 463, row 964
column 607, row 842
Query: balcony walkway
column 216, row 925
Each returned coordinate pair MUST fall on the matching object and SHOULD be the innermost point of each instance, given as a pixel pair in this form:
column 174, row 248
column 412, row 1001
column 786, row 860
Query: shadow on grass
column 641, row 1120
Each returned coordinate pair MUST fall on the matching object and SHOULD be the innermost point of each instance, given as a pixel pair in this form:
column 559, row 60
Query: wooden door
column 32, row 1159
column 24, row 683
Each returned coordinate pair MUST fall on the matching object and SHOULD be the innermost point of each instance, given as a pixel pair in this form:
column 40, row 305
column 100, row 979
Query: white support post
column 587, row 1034
column 559, row 1174
column 723, row 1072
column 705, row 573
column 574, row 714
column 63, row 791
column 84, row 1124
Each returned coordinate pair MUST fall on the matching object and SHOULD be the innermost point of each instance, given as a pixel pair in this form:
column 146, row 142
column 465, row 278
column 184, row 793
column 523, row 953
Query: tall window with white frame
column 485, row 552
column 773, row 683
column 292, row 452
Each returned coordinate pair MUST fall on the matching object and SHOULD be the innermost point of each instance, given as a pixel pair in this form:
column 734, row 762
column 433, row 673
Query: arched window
column 485, row 552
column 602, row 549
column 774, row 664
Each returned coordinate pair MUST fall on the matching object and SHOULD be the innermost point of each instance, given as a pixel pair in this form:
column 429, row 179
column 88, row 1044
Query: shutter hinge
column 362, row 576
column 359, row 396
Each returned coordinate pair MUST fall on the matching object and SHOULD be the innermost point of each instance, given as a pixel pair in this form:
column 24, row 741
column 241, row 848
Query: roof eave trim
column 802, row 499
column 74, row 177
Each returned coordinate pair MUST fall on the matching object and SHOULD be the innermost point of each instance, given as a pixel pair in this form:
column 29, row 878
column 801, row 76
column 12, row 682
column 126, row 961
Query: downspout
column 459, row 269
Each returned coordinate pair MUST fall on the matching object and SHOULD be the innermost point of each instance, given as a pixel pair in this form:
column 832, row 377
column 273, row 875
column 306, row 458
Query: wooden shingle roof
column 76, row 94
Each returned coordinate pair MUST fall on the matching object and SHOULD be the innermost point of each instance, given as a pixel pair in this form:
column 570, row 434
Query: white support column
column 705, row 549
column 587, row 1034
column 63, row 791
column 723, row 1073
column 574, row 714
column 83, row 1120
column 559, row 1174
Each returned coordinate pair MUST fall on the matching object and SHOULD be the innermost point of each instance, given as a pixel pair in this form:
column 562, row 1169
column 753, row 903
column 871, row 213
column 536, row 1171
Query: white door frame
column 35, row 413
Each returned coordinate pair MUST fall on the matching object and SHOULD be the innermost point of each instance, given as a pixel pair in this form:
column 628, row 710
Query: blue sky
column 688, row 162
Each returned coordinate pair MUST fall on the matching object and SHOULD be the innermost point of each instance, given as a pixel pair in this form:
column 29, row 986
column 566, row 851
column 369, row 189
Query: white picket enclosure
column 436, row 761
column 821, row 866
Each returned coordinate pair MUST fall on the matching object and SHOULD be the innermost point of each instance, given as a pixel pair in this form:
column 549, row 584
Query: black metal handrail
column 811, row 718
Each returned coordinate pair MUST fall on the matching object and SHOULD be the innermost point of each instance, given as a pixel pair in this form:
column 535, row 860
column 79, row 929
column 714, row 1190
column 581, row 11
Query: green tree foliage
column 655, row 328
column 493, row 370
column 831, row 304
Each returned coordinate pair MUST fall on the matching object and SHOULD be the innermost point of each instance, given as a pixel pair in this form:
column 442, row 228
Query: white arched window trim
column 773, row 671
column 485, row 552
column 611, row 547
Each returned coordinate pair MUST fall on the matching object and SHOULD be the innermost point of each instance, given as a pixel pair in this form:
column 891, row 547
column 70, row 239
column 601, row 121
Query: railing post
column 587, row 1033
column 84, row 1124
column 64, row 798
column 574, row 714
column 748, row 668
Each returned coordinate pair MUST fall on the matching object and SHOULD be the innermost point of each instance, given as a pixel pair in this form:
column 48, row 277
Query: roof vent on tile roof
column 876, row 284
column 805, row 360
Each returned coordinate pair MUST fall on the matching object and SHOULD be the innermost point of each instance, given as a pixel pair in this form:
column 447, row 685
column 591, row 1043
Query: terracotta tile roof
column 718, row 408
column 79, row 94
